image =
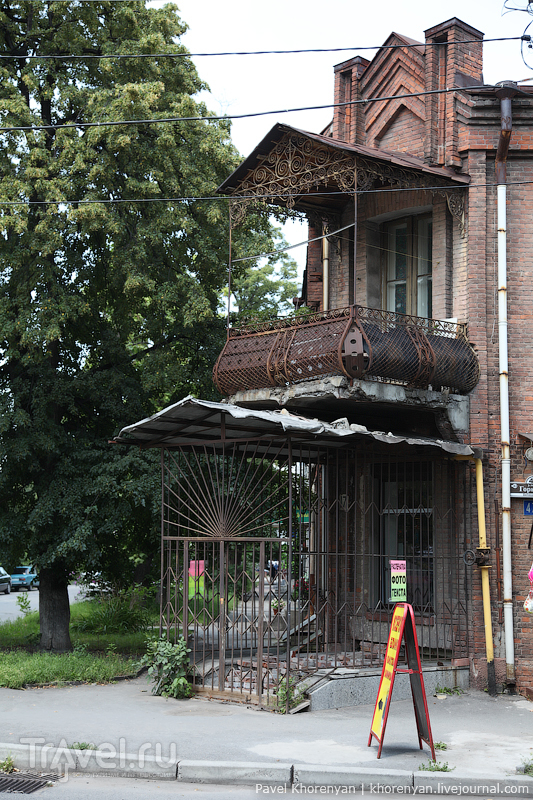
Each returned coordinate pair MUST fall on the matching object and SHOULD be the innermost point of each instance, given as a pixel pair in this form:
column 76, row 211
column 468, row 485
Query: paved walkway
column 485, row 737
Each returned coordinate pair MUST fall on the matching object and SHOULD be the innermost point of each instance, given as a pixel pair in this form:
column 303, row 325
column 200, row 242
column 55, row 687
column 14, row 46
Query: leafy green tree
column 266, row 290
column 107, row 309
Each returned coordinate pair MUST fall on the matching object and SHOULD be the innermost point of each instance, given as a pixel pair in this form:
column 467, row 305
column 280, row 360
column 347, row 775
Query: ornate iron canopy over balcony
column 354, row 341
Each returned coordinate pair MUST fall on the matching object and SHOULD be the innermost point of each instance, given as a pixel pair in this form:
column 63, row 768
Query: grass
column 440, row 745
column 19, row 667
column 97, row 657
column 436, row 766
column 24, row 632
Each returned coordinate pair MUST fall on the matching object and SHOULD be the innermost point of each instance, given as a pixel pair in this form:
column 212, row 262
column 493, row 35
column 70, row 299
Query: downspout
column 325, row 269
column 505, row 92
column 482, row 562
column 485, row 588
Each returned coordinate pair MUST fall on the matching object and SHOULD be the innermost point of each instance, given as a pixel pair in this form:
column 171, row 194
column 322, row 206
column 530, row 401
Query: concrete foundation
column 348, row 688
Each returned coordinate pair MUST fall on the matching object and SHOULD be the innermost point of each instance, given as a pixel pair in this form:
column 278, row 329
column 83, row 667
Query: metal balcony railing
column 354, row 341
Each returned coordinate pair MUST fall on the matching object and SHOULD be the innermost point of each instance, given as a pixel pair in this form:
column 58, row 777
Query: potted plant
column 277, row 605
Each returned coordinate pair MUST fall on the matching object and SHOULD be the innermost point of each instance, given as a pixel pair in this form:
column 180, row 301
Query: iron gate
column 275, row 558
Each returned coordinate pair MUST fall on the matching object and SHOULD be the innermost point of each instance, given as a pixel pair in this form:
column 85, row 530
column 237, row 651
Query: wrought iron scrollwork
column 297, row 165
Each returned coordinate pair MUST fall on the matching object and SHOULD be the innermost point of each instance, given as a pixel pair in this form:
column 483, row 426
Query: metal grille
column 24, row 782
column 354, row 341
column 332, row 518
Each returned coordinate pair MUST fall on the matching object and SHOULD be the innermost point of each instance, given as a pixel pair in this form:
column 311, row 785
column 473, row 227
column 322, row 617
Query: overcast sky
column 243, row 84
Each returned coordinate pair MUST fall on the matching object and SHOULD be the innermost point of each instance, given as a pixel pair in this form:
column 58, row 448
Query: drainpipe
column 325, row 269
column 481, row 560
column 485, row 588
column 505, row 92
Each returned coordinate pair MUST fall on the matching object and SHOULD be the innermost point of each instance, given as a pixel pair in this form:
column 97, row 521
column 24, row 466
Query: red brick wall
column 462, row 130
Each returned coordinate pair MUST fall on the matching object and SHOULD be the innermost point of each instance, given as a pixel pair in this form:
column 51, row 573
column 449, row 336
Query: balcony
column 357, row 342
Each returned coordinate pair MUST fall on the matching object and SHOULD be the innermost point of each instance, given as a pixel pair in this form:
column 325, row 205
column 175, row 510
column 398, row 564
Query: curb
column 62, row 760
column 358, row 777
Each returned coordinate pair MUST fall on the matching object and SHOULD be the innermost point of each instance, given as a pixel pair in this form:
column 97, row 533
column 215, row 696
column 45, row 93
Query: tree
column 267, row 289
column 107, row 309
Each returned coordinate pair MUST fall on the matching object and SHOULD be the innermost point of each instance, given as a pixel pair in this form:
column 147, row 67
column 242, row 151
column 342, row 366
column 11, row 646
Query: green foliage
column 122, row 612
column 18, row 668
column 7, row 765
column 24, row 604
column 277, row 604
column 83, row 746
column 288, row 690
column 436, row 766
column 108, row 310
column 168, row 667
column 24, row 633
column 448, row 690
column 265, row 291
column 528, row 767
column 440, row 745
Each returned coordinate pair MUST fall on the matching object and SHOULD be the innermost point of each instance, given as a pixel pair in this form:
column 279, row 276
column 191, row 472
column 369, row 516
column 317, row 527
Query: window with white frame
column 408, row 266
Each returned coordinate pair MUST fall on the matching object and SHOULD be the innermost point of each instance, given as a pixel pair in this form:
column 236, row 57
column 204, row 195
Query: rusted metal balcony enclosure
column 354, row 341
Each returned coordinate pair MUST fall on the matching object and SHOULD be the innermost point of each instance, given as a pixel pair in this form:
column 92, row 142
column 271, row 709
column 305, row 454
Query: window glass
column 397, row 269
column 408, row 256
column 424, row 268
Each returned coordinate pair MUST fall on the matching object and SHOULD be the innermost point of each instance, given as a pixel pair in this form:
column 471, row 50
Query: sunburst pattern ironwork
column 231, row 491
column 227, row 520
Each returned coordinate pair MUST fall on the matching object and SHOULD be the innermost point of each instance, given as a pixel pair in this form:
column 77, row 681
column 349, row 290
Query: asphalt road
column 91, row 787
column 9, row 609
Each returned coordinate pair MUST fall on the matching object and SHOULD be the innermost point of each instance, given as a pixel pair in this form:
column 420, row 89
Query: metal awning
column 191, row 420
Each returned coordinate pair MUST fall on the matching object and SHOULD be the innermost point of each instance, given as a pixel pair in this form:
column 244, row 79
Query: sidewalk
column 138, row 734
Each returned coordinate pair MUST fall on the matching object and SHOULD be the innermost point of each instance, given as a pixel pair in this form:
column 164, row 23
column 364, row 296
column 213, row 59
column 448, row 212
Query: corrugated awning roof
column 191, row 420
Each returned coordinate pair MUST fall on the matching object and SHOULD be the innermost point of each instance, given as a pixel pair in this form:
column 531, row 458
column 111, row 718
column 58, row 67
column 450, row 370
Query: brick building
column 413, row 170
column 369, row 427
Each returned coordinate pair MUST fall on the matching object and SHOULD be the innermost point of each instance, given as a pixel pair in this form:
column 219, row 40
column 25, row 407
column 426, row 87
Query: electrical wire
column 280, row 250
column 525, row 36
column 89, row 56
column 214, row 118
column 277, row 251
column 224, row 198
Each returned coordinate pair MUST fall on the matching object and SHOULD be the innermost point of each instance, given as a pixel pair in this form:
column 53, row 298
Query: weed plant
column 7, row 765
column 168, row 667
column 528, row 767
column 287, row 690
column 436, row 766
column 121, row 612
column 24, row 604
column 447, row 690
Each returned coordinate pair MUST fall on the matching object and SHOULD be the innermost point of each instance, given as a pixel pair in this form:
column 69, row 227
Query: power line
column 89, row 56
column 224, row 198
column 292, row 246
column 214, row 118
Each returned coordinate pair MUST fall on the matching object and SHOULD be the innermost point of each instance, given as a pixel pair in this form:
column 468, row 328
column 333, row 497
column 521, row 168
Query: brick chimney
column 348, row 121
column 452, row 59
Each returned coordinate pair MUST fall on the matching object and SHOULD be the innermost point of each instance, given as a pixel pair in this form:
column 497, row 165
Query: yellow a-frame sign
column 402, row 627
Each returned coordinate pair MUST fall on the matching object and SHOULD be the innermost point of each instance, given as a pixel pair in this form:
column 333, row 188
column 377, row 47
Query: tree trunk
column 54, row 611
